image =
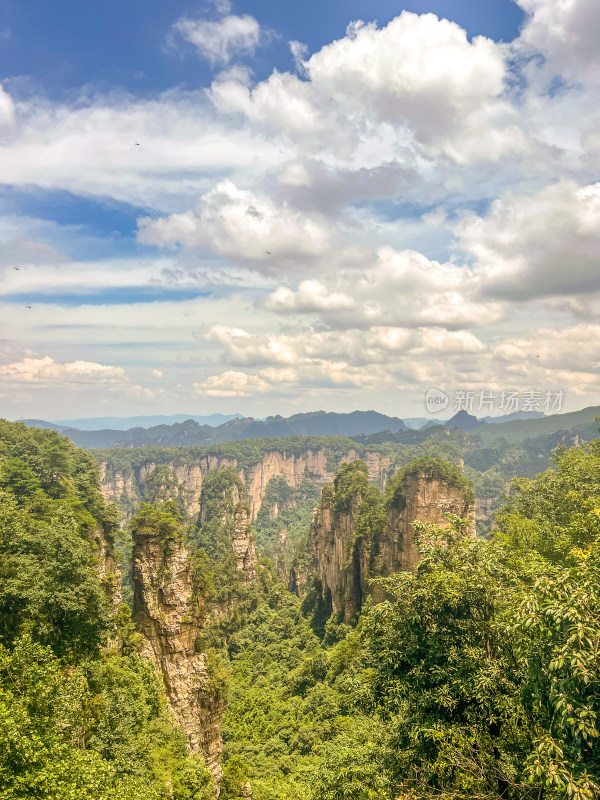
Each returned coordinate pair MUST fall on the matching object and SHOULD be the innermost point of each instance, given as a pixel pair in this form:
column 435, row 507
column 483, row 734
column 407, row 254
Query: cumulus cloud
column 222, row 40
column 378, row 345
column 419, row 75
column 566, row 33
column 316, row 283
column 569, row 358
column 318, row 374
column 402, row 288
column 48, row 375
column 236, row 222
column 45, row 370
column 89, row 148
column 536, row 245
column 310, row 296
column 232, row 384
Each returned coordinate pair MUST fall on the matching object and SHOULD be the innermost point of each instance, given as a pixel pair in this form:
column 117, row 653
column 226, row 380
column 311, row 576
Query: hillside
column 581, row 423
column 318, row 672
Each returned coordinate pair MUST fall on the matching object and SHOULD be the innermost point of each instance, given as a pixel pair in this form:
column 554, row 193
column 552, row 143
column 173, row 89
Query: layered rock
column 128, row 486
column 426, row 498
column 242, row 544
column 169, row 612
column 349, row 550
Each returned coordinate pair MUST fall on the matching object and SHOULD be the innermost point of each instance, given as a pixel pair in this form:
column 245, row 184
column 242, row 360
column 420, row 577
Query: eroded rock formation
column 169, row 612
column 128, row 486
column 242, row 544
column 348, row 550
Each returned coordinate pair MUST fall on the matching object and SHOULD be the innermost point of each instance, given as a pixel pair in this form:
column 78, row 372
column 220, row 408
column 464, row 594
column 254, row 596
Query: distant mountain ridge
column 363, row 426
column 125, row 423
column 190, row 432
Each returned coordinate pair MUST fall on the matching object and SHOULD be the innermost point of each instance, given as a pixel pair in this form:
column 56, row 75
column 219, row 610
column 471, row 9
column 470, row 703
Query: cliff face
column 341, row 560
column 345, row 560
column 242, row 544
column 428, row 499
column 168, row 609
column 107, row 567
column 171, row 611
column 127, row 489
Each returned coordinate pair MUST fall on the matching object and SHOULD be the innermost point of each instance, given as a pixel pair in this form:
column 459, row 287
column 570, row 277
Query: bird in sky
column 268, row 252
column 27, row 306
column 17, row 268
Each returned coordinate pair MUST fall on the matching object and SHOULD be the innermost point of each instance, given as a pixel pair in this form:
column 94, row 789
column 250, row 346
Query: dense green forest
column 477, row 678
column 79, row 717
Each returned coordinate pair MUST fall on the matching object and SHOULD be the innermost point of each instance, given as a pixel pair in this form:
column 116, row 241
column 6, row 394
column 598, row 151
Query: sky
column 268, row 208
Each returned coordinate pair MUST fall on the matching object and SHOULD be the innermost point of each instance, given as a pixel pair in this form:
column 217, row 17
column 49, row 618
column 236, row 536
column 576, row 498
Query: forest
column 475, row 677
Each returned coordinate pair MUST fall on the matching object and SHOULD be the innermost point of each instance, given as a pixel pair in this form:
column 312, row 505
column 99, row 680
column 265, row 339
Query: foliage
column 477, row 678
column 431, row 468
column 558, row 510
column 163, row 520
column 63, row 737
column 284, row 704
column 288, row 509
column 483, row 667
column 48, row 583
column 76, row 720
column 161, row 485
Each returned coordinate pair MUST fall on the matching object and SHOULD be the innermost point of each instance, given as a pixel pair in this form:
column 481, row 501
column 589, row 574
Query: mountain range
column 191, row 432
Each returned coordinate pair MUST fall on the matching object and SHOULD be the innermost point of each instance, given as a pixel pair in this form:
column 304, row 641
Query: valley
column 249, row 578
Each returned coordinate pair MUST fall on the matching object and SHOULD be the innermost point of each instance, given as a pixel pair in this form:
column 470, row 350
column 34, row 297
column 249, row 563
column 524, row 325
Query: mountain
column 125, row 423
column 190, row 432
column 515, row 415
column 464, row 422
column 418, row 423
column 314, row 423
column 581, row 423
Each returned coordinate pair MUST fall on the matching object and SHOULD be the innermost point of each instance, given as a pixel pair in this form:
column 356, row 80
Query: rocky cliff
column 128, row 486
column 421, row 498
column 358, row 534
column 107, row 566
column 169, row 612
column 172, row 610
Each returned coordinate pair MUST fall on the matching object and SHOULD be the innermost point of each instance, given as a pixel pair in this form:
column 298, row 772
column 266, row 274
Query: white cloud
column 238, row 223
column 566, row 33
column 402, row 288
column 232, row 384
column 46, row 370
column 222, row 6
column 7, row 113
column 311, row 296
column 378, row 345
column 568, row 359
column 419, row 74
column 90, row 148
column 547, row 243
column 222, row 40
column 21, row 381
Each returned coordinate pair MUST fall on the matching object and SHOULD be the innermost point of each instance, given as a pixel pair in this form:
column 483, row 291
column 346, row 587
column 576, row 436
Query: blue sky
column 62, row 46
column 204, row 214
